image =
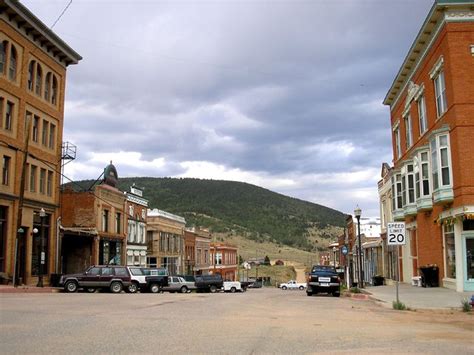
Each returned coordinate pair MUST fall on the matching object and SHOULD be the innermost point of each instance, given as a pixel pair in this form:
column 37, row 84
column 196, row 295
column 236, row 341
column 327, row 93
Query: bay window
column 441, row 168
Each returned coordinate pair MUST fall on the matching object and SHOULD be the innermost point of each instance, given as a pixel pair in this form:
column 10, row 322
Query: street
column 259, row 321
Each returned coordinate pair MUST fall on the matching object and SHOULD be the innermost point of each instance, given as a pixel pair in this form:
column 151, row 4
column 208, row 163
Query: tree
column 241, row 260
column 267, row 260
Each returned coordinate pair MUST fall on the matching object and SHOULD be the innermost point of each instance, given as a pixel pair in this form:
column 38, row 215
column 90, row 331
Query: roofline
column 72, row 56
column 438, row 6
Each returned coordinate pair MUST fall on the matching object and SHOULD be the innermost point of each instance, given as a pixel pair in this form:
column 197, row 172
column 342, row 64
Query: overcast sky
column 286, row 95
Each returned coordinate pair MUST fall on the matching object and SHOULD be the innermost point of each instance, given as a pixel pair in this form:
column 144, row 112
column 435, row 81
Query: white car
column 292, row 285
column 232, row 286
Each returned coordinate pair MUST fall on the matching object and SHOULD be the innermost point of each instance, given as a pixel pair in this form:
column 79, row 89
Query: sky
column 286, row 95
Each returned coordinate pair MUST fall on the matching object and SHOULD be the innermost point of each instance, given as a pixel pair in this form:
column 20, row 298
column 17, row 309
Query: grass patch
column 355, row 290
column 466, row 307
column 400, row 306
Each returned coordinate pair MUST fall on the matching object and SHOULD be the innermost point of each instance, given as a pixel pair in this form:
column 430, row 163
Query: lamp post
column 41, row 256
column 357, row 213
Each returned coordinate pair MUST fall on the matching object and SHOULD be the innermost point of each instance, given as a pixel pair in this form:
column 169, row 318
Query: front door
column 468, row 260
column 21, row 278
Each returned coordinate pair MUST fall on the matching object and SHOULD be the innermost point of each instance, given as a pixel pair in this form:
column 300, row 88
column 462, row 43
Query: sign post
column 396, row 235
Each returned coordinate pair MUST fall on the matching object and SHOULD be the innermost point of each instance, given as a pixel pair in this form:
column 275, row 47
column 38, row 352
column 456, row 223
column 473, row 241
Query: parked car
column 292, row 285
column 179, row 284
column 324, row 278
column 209, row 283
column 114, row 278
column 232, row 286
column 139, row 275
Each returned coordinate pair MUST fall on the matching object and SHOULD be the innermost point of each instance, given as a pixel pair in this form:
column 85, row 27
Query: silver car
column 179, row 284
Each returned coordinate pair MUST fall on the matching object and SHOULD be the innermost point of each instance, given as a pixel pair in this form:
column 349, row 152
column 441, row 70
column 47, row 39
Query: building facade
column 432, row 109
column 189, row 251
column 165, row 238
column 224, row 260
column 33, row 63
column 136, row 209
column 93, row 225
column 203, row 252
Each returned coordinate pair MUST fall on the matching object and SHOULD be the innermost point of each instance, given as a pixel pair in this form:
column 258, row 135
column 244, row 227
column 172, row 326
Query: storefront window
column 36, row 249
column 469, row 258
column 450, row 254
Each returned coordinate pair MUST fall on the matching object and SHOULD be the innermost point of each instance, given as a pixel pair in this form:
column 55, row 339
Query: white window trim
column 408, row 131
column 438, row 162
column 437, row 67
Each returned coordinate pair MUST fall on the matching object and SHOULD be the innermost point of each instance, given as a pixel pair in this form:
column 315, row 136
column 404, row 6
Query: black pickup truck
column 208, row 283
column 323, row 279
column 155, row 283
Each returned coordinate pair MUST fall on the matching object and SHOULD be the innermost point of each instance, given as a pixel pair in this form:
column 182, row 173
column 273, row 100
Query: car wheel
column 284, row 287
column 116, row 287
column 155, row 288
column 301, row 287
column 71, row 286
column 183, row 289
column 133, row 288
column 90, row 289
column 213, row 289
column 309, row 293
column 233, row 289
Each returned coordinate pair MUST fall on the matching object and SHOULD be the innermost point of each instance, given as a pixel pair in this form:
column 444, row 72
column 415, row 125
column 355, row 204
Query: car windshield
column 324, row 268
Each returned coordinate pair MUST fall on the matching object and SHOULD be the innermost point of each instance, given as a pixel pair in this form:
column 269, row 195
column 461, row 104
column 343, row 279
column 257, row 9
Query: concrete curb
column 28, row 289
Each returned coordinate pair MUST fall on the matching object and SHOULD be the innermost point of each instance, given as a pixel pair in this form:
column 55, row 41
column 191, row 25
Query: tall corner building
column 431, row 104
column 33, row 63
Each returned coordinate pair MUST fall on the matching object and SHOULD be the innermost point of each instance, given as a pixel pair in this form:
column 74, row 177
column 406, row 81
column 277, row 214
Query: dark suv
column 111, row 277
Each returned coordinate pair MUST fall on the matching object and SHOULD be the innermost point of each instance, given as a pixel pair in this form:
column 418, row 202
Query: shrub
column 399, row 305
column 355, row 290
column 466, row 307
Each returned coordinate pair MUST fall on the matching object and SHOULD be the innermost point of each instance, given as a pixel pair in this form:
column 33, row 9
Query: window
column 13, row 61
column 397, row 191
column 35, row 128
column 33, row 178
column 47, row 87
column 105, row 221
column 94, row 271
column 42, row 183
column 3, row 56
column 398, row 150
column 44, row 135
column 440, row 93
column 422, row 115
column 449, row 251
column 49, row 184
column 8, row 116
column 31, row 73
column 6, row 170
column 218, row 259
column 118, row 223
column 440, row 161
column 425, row 174
column 52, row 135
column 410, row 185
column 408, row 134
column 54, row 92
column 39, row 80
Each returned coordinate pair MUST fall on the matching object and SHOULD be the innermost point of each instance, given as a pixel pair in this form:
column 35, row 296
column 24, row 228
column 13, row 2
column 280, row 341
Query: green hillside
column 236, row 207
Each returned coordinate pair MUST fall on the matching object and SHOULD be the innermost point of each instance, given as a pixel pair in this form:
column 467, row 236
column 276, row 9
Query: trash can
column 429, row 276
column 378, row 280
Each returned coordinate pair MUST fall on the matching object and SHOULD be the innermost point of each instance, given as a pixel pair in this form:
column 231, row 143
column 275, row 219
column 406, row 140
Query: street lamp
column 357, row 213
column 41, row 256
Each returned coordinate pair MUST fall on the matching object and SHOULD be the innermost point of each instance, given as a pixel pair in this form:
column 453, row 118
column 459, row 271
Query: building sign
column 136, row 191
column 396, row 233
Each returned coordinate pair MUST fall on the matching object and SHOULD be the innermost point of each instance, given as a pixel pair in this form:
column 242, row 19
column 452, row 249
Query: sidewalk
column 26, row 289
column 418, row 297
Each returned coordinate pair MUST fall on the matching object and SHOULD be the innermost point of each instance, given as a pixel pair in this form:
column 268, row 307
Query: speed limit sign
column 396, row 233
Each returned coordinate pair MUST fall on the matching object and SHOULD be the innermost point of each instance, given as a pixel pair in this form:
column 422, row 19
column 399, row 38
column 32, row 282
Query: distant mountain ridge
column 236, row 207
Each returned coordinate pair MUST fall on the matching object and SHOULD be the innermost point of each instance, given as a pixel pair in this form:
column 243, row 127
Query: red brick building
column 432, row 118
column 93, row 225
column 224, row 260
column 33, row 64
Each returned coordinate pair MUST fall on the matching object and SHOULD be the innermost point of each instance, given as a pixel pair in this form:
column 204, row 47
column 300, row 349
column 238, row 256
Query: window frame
column 6, row 170
column 437, row 166
column 422, row 117
column 440, row 93
column 408, row 131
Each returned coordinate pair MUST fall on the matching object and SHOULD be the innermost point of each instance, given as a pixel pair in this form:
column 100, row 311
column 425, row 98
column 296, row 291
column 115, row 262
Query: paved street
column 258, row 321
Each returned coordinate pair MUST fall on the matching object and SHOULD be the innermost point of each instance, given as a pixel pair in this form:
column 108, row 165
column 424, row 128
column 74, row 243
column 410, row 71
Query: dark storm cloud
column 275, row 88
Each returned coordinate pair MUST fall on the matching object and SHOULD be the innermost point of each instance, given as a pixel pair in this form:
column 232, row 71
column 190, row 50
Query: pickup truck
column 292, row 285
column 209, row 283
column 323, row 279
column 139, row 275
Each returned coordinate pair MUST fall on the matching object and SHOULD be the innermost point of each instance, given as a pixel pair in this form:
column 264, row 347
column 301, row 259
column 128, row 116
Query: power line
column 61, row 15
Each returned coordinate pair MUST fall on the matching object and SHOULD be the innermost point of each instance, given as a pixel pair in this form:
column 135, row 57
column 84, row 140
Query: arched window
column 13, row 60
column 47, row 86
column 54, row 92
column 31, row 71
column 39, row 80
column 3, row 56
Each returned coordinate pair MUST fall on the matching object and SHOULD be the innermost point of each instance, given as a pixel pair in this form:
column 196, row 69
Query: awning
column 87, row 232
column 372, row 244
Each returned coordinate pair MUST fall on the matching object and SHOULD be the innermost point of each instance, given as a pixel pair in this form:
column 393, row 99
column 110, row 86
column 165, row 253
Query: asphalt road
column 258, row 321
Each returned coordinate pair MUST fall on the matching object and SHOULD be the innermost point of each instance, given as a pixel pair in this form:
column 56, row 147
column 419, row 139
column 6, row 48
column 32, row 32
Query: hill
column 238, row 208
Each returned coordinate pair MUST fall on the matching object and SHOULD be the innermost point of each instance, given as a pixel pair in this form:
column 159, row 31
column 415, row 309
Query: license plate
column 324, row 279
column 324, row 284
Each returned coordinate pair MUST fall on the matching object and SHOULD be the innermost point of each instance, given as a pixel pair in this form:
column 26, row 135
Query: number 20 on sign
column 396, row 233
